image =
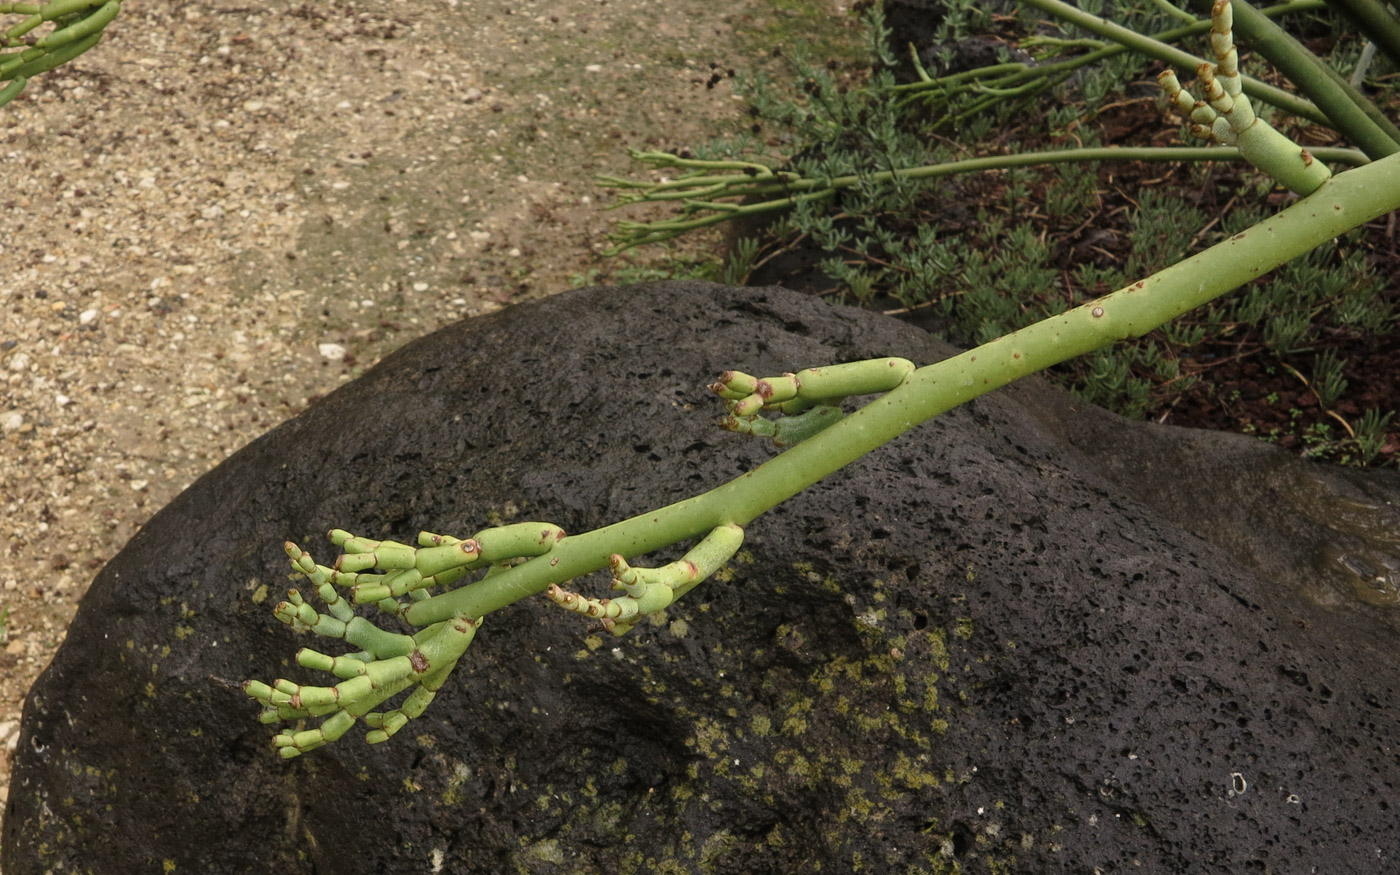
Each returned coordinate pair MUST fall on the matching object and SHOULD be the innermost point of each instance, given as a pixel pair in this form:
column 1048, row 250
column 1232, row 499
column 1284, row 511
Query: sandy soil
column 226, row 210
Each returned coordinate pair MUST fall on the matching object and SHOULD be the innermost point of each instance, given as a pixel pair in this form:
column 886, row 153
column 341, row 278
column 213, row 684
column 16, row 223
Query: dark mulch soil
column 1254, row 394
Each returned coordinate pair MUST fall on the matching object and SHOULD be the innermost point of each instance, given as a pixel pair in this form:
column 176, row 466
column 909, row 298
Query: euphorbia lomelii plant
column 427, row 585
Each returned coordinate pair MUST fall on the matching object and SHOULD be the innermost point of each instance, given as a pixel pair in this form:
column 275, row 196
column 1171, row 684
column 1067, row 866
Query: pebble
column 333, row 352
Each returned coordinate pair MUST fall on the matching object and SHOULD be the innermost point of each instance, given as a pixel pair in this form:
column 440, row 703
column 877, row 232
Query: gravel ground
column 225, row 211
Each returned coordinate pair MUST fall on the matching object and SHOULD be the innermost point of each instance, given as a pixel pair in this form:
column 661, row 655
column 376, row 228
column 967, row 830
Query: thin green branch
column 1223, row 117
column 695, row 191
column 1049, row 74
column 999, row 82
column 1174, row 12
column 1154, row 48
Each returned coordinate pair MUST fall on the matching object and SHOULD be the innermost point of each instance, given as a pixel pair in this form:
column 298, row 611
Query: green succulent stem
column 1347, row 110
column 1338, row 205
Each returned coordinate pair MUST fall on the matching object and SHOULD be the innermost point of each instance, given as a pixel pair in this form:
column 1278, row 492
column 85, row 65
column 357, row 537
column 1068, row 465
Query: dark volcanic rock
column 995, row 643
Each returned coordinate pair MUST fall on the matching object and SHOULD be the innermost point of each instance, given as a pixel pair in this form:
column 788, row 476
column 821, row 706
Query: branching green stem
column 651, row 590
column 1347, row 110
column 1340, row 204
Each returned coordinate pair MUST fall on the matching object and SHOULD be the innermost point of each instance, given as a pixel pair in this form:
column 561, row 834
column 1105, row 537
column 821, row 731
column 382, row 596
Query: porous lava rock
column 1027, row 636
